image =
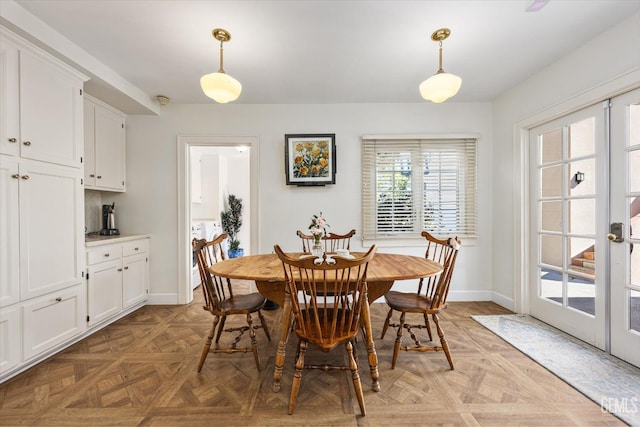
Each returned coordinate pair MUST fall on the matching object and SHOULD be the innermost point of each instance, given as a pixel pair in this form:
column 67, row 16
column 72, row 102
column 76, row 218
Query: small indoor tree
column 231, row 219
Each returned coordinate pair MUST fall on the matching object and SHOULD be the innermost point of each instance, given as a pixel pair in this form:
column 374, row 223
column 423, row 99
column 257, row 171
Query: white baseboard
column 162, row 299
column 462, row 295
column 502, row 300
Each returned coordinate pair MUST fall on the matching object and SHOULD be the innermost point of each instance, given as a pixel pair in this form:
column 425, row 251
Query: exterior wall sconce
column 578, row 177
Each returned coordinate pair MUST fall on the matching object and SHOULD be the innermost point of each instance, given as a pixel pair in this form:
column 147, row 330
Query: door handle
column 615, row 232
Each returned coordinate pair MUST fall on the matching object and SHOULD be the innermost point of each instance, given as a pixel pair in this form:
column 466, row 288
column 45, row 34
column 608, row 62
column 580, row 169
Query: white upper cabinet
column 104, row 142
column 41, row 108
column 51, row 203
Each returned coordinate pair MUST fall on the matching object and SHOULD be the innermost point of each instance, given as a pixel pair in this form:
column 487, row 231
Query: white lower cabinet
column 104, row 295
column 118, row 278
column 10, row 337
column 52, row 319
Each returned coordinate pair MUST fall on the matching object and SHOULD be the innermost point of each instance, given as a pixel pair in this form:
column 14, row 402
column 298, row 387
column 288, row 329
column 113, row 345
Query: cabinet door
column 50, row 111
column 52, row 319
column 135, row 279
column 9, row 232
column 104, row 288
column 51, row 228
column 9, row 98
column 109, row 137
column 10, row 338
column 89, row 145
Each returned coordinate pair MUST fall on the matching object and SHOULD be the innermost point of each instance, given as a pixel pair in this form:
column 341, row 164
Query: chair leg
column 428, row 325
column 207, row 344
column 264, row 325
column 386, row 323
column 357, row 385
column 396, row 346
column 221, row 328
column 443, row 341
column 254, row 342
column 297, row 377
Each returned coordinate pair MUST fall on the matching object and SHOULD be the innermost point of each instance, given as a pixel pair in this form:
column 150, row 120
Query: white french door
column 568, row 159
column 625, row 237
column 584, row 223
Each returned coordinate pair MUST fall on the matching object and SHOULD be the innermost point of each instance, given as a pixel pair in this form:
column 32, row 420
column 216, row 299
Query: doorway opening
column 209, row 169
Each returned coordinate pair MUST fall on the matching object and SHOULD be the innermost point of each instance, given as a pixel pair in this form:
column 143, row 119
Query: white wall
column 589, row 72
column 151, row 197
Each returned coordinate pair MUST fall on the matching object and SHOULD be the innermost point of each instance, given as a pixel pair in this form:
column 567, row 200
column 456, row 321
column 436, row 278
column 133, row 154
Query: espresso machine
column 109, row 220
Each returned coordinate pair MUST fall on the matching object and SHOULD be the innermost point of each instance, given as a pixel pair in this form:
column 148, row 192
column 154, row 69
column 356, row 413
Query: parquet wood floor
column 141, row 370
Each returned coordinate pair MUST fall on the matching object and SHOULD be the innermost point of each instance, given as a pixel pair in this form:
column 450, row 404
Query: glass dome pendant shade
column 220, row 86
column 441, row 86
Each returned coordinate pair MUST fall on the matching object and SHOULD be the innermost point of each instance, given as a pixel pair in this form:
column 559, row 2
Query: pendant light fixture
column 220, row 86
column 441, row 86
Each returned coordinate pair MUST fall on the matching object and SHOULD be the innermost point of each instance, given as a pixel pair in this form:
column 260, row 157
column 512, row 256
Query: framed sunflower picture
column 310, row 159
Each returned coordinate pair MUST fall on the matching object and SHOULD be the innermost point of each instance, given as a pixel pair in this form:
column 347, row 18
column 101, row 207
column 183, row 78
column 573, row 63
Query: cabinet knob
column 126, row 268
column 15, row 176
column 119, row 269
column 136, row 249
column 27, row 143
column 13, row 140
column 107, row 255
column 58, row 299
column 99, row 177
column 92, row 175
column 25, row 177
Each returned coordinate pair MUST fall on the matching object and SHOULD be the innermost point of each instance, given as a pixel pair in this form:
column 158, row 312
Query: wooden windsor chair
column 221, row 302
column 326, row 303
column 428, row 300
column 332, row 241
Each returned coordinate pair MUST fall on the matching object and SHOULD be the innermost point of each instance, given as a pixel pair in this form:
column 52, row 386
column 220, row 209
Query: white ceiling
column 332, row 51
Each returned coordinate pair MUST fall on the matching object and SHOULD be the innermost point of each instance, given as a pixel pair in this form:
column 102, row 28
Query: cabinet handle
column 25, row 177
column 119, row 269
column 58, row 299
column 136, row 249
column 12, row 140
column 27, row 143
column 126, row 268
column 92, row 175
column 107, row 255
column 99, row 177
column 15, row 176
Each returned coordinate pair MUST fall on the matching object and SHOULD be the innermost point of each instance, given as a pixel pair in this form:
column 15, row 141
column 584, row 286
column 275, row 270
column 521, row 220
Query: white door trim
column 185, row 293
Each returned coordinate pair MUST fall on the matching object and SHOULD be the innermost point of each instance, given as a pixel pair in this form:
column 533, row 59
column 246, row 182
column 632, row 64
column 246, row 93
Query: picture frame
column 310, row 159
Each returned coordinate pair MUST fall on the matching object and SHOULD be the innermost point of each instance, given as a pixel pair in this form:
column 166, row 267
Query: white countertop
column 90, row 241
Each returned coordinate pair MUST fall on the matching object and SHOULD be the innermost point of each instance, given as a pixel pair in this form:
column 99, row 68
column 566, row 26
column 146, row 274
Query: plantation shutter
column 410, row 185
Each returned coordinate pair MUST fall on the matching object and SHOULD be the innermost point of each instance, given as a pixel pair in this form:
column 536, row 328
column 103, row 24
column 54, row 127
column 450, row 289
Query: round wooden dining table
column 268, row 273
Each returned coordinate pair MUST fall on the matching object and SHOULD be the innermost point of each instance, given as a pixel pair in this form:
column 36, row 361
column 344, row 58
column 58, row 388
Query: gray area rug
column 607, row 380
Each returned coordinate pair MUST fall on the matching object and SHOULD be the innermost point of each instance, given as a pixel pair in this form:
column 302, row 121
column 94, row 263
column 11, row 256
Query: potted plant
column 231, row 219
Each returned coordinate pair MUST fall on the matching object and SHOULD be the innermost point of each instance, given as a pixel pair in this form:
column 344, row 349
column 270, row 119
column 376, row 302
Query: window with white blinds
column 410, row 185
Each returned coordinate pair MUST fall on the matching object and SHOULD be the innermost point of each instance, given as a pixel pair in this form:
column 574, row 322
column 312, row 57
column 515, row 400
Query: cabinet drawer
column 52, row 319
column 135, row 247
column 103, row 253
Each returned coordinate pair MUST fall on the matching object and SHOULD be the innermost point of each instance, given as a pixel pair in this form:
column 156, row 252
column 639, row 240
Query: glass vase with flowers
column 318, row 228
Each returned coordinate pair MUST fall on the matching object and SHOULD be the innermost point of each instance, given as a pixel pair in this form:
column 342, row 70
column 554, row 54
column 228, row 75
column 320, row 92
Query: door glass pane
column 634, row 310
column 551, row 216
column 581, row 294
column 634, row 124
column 582, row 216
column 634, row 171
column 581, row 253
column 551, row 181
column 582, row 169
column 581, row 138
column 551, row 146
column 634, row 266
column 551, row 250
column 634, row 221
column 551, row 284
